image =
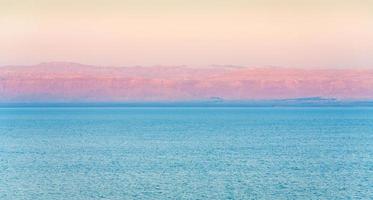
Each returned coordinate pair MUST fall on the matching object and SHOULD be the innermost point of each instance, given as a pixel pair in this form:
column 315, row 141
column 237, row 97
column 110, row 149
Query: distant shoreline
column 276, row 103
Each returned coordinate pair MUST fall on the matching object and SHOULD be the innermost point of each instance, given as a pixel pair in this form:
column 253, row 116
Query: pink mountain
column 71, row 82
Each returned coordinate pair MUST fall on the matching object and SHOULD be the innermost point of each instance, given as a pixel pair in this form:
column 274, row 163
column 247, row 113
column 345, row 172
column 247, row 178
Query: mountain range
column 73, row 82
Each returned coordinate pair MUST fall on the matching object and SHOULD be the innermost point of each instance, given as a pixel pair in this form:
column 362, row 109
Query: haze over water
column 186, row 153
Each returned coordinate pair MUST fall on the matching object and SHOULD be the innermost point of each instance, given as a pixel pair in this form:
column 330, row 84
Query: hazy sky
column 291, row 33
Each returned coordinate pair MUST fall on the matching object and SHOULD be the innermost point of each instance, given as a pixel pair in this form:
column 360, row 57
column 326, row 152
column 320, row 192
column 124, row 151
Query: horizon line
column 238, row 103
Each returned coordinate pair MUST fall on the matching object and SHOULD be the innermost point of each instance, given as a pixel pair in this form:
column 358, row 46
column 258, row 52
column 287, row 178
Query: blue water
column 186, row 153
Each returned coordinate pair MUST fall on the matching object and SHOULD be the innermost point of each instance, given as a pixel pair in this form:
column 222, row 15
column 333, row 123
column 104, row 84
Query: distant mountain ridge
column 304, row 99
column 74, row 82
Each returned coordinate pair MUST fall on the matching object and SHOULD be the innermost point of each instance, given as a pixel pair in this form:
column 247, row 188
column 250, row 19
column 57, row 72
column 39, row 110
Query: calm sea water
column 186, row 153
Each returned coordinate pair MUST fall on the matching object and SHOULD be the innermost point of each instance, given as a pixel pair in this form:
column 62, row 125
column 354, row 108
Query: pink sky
column 288, row 33
column 322, row 47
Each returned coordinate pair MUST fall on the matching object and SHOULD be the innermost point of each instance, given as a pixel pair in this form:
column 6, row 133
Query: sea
column 115, row 153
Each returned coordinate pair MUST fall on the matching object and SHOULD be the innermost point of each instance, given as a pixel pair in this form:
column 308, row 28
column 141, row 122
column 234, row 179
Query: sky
column 289, row 33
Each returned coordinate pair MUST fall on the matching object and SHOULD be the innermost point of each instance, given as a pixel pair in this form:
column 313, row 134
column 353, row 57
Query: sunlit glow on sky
column 301, row 33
